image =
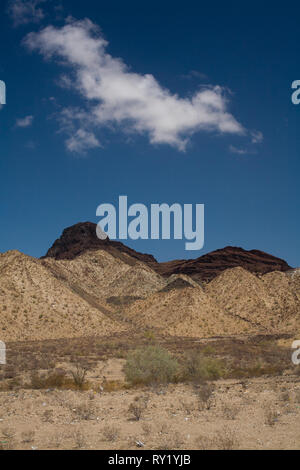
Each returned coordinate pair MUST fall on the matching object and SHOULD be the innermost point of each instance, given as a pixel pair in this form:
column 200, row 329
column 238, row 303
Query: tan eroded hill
column 36, row 305
column 102, row 275
column 185, row 312
column 285, row 290
column 268, row 301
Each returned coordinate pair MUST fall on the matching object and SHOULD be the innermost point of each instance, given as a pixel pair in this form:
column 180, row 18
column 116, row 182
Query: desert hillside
column 34, row 304
column 85, row 287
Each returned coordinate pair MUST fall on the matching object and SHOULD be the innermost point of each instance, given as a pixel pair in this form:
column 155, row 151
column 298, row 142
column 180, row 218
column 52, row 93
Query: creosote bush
column 199, row 368
column 151, row 365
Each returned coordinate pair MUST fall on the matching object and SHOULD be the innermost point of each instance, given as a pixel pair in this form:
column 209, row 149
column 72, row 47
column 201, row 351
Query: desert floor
column 257, row 407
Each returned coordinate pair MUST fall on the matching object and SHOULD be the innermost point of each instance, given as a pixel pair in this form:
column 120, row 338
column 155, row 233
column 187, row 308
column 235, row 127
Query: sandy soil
column 260, row 413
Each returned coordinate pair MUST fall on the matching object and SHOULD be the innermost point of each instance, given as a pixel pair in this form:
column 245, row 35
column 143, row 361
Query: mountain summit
column 82, row 237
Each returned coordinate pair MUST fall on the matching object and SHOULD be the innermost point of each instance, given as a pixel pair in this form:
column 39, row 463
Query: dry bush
column 48, row 416
column 57, row 440
column 285, row 396
column 187, row 406
column 173, row 441
column 138, row 407
column 84, row 411
column 37, row 381
column 79, row 439
column 55, row 379
column 147, row 429
column 271, row 416
column 231, row 411
column 111, row 433
column 163, row 427
column 79, row 375
column 8, row 433
column 28, row 437
column 151, row 365
column 225, row 439
column 205, row 394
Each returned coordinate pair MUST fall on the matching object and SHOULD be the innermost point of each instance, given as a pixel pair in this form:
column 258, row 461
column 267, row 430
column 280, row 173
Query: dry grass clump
column 28, row 437
column 230, row 411
column 187, row 406
column 57, row 440
column 138, row 407
column 205, row 394
column 8, row 433
column 79, row 375
column 85, row 411
column 111, row 433
column 172, row 441
column 224, row 439
column 147, row 429
column 270, row 415
column 79, row 438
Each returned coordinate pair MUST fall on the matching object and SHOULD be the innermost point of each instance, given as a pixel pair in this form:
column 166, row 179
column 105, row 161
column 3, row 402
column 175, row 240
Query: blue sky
column 220, row 77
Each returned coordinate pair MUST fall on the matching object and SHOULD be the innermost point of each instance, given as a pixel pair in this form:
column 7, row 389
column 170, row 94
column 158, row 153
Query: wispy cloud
column 81, row 141
column 25, row 11
column 117, row 96
column 257, row 137
column 24, row 122
column 238, row 150
column 195, row 74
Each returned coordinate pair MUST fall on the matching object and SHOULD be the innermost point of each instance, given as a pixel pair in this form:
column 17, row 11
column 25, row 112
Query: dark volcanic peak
column 82, row 237
column 209, row 266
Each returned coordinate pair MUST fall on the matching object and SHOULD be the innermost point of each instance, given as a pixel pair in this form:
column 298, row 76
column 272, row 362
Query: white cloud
column 25, row 11
column 195, row 74
column 81, row 141
column 257, row 137
column 116, row 95
column 238, row 151
column 24, row 122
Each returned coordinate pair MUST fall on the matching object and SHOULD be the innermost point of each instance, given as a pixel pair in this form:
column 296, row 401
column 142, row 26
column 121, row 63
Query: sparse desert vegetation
column 184, row 395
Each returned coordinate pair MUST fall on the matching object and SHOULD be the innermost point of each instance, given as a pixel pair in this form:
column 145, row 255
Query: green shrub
column 151, row 365
column 200, row 368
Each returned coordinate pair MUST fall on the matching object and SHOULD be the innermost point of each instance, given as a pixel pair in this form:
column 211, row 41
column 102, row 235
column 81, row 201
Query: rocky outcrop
column 82, row 237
